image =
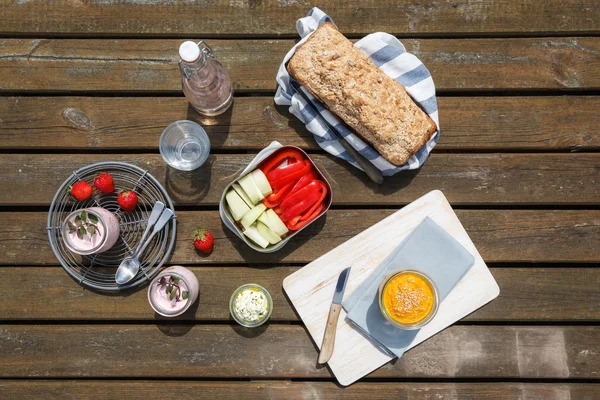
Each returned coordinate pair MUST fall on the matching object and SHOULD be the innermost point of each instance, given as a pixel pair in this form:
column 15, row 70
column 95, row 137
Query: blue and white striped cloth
column 388, row 54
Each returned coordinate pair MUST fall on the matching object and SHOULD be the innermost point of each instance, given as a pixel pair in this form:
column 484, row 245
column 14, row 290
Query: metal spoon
column 368, row 168
column 130, row 265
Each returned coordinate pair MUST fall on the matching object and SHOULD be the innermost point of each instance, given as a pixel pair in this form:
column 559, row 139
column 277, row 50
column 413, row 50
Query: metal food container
column 274, row 247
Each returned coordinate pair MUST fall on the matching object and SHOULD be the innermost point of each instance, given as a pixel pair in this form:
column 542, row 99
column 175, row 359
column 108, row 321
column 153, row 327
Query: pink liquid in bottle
column 206, row 83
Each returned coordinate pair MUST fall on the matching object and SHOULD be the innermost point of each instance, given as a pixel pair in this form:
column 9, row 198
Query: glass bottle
column 206, row 83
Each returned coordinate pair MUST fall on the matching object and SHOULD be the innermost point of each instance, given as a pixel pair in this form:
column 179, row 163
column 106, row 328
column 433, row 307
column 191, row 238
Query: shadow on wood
column 249, row 333
column 249, row 255
column 189, row 185
column 219, row 123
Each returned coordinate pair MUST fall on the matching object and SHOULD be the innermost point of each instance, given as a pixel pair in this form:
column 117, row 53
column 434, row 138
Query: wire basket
column 97, row 271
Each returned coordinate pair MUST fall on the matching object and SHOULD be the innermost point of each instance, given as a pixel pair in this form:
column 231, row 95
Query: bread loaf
column 362, row 95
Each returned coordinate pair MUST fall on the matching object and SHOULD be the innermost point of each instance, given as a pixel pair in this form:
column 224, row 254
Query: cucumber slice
column 264, row 219
column 268, row 234
column 252, row 215
column 261, row 182
column 247, row 183
column 238, row 189
column 256, row 237
column 237, row 206
column 275, row 223
column 262, row 196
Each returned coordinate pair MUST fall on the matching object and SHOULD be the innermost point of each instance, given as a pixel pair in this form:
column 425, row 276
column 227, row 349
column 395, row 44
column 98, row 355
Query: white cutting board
column 311, row 288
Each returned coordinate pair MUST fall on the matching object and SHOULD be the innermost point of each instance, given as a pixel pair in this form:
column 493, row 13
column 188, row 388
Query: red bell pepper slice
column 291, row 177
column 318, row 205
column 301, row 206
column 275, row 198
column 292, row 155
column 281, row 172
column 302, row 200
column 305, row 180
column 301, row 223
column 311, row 210
column 291, row 200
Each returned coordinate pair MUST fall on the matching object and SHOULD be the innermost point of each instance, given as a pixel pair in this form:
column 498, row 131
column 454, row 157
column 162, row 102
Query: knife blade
column 332, row 318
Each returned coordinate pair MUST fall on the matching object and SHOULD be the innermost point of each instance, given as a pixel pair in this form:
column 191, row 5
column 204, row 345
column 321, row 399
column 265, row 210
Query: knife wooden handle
column 329, row 335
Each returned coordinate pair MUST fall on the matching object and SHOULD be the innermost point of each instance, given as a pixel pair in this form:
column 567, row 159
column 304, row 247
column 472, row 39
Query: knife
column 332, row 319
column 369, row 169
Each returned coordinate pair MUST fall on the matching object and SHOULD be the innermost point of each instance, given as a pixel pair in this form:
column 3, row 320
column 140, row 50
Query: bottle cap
column 189, row 51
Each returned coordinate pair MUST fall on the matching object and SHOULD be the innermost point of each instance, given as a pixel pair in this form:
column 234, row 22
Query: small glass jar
column 420, row 323
column 183, row 280
column 240, row 318
column 107, row 231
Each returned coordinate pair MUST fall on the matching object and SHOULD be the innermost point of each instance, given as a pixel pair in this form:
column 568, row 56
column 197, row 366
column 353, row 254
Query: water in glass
column 184, row 145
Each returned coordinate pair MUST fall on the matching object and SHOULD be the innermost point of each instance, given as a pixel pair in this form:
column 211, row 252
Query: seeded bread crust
column 362, row 95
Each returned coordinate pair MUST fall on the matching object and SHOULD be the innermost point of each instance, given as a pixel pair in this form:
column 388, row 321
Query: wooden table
column 518, row 82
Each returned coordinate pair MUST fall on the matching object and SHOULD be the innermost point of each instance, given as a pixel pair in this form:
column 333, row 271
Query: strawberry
column 127, row 200
column 104, row 183
column 203, row 240
column 81, row 191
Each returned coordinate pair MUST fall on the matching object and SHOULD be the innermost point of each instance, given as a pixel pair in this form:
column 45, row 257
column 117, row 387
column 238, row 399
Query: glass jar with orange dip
column 408, row 299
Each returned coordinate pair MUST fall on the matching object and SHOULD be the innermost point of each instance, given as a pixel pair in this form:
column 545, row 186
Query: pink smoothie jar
column 99, row 234
column 173, row 291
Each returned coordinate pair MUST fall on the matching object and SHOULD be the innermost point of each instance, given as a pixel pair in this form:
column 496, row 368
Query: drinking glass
column 184, row 145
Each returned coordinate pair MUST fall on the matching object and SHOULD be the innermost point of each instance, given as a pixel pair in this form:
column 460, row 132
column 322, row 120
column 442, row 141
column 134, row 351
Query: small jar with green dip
column 251, row 305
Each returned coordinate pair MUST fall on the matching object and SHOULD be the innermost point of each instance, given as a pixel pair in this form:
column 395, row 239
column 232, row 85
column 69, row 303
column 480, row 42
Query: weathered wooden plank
column 285, row 351
column 147, row 390
column 500, row 236
column 227, row 18
column 480, row 179
column 78, row 65
column 526, row 294
column 468, row 123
